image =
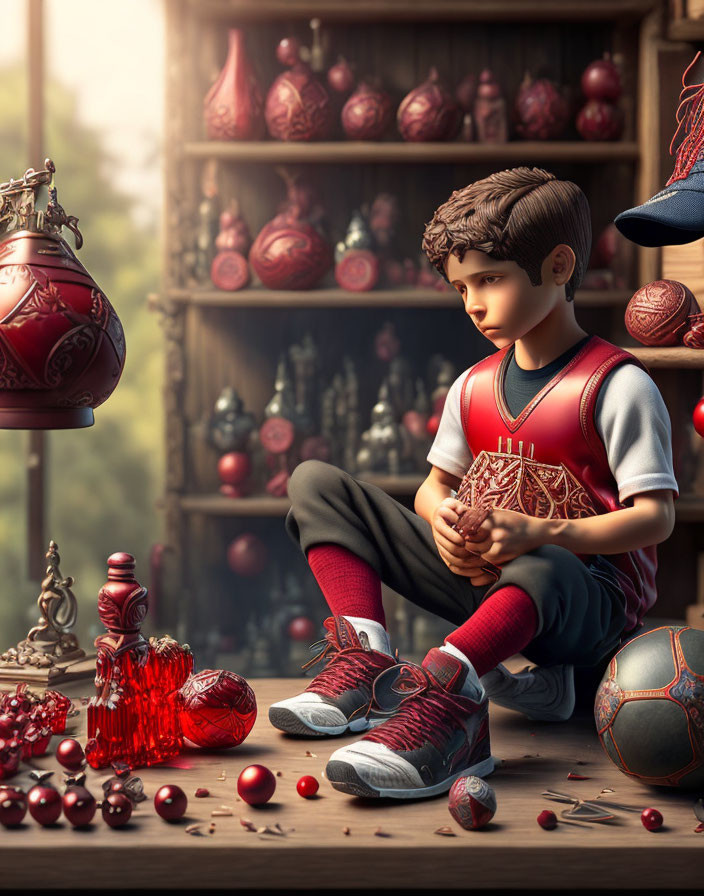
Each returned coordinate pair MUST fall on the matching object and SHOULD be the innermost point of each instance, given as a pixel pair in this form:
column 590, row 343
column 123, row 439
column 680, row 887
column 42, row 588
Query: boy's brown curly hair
column 520, row 215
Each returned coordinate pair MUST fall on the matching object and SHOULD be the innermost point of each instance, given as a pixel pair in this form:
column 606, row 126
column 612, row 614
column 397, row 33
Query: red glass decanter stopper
column 133, row 717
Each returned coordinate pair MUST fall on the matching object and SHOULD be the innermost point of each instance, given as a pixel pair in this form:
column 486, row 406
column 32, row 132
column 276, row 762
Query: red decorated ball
column 170, row 802
column 116, row 810
column 44, row 804
column 472, row 802
column 658, row 313
column 698, row 417
column 301, row 628
column 79, row 806
column 651, row 819
column 217, row 708
column 307, row 786
column 357, row 270
column 247, row 555
column 13, row 805
column 433, row 424
column 256, row 785
column 234, row 467
column 70, row 754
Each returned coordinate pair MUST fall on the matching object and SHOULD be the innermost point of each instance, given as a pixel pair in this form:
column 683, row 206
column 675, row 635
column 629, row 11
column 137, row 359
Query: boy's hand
column 456, row 551
column 509, row 534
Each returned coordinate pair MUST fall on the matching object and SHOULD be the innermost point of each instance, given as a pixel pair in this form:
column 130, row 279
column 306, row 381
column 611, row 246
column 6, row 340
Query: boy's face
column 499, row 297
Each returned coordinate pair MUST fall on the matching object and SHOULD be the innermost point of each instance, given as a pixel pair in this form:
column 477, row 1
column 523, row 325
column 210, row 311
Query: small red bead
column 116, row 810
column 79, row 806
column 170, row 802
column 256, row 785
column 44, row 804
column 547, row 820
column 70, row 754
column 13, row 806
column 307, row 786
column 651, row 818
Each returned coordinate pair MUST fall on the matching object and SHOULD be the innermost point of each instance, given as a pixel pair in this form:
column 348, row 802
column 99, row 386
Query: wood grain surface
column 512, row 852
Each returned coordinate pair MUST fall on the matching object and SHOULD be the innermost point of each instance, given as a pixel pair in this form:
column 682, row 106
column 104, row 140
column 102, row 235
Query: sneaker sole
column 344, row 777
column 286, row 720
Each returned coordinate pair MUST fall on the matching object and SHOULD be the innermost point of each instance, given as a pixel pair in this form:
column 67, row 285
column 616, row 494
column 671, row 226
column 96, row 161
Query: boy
column 565, row 430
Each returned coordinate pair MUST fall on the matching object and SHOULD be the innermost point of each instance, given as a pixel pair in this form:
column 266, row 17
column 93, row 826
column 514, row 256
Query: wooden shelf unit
column 517, row 152
column 216, row 338
column 411, row 297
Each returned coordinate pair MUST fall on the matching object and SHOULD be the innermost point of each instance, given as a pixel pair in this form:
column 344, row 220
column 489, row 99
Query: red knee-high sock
column 349, row 584
column 503, row 625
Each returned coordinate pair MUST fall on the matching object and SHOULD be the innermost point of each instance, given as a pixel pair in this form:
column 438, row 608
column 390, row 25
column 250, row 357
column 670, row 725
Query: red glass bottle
column 133, row 717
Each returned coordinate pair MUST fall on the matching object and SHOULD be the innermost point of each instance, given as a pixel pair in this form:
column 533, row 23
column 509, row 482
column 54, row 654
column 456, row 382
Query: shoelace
column 346, row 667
column 428, row 711
column 692, row 119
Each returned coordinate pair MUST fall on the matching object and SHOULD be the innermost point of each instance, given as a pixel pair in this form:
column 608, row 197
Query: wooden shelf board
column 686, row 29
column 688, row 508
column 340, row 298
column 421, row 10
column 396, row 151
column 674, row 357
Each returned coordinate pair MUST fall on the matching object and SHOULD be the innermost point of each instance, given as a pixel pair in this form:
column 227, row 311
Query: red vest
column 550, row 460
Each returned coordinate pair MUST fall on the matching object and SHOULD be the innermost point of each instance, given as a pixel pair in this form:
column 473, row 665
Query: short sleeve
column 634, row 424
column 449, row 450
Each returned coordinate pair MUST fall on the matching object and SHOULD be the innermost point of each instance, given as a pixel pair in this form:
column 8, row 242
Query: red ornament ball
column 651, row 818
column 170, row 802
column 13, row 806
column 256, row 785
column 288, row 51
column 433, row 424
column 79, row 806
column 8, row 725
column 217, row 708
column 301, row 628
column 70, row 754
column 472, row 802
column 357, row 270
column 601, row 80
column 229, row 270
column 658, row 313
column 547, row 820
column 307, row 786
column 247, row 555
column 117, row 809
column 698, row 417
column 44, row 804
column 234, row 467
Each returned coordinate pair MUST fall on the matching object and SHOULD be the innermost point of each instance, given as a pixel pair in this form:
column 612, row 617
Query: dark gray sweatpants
column 580, row 610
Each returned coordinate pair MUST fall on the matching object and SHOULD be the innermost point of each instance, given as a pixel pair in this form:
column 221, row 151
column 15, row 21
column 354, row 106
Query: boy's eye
column 490, row 278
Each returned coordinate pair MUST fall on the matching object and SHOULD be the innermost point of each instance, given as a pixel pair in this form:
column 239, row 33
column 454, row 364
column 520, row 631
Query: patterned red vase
column 233, row 107
column 62, row 347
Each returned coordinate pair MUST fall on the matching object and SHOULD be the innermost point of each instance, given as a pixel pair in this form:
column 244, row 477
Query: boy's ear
column 563, row 263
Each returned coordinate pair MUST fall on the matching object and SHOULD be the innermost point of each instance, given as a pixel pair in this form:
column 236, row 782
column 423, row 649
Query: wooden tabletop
column 512, row 852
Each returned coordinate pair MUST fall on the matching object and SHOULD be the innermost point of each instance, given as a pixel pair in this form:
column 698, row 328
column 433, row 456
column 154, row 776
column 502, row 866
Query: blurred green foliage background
column 102, row 482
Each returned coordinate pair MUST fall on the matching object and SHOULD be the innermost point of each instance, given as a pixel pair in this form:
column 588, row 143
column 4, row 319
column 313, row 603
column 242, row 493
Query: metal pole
column 36, row 541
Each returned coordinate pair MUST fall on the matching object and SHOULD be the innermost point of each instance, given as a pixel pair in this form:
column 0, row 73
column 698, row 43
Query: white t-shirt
column 630, row 417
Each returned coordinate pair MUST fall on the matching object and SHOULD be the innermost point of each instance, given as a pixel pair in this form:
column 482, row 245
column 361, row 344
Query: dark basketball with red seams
column 649, row 708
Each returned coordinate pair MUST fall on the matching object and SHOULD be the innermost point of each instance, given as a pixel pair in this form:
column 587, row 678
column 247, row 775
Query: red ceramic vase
column 233, row 107
column 62, row 347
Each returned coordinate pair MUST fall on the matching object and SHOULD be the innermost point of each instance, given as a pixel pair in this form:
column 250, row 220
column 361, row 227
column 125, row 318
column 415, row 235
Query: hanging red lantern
column 62, row 348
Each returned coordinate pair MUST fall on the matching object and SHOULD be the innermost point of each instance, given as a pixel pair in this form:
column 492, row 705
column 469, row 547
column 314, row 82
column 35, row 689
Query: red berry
column 547, row 819
column 44, row 804
column 307, row 786
column 79, row 806
column 170, row 802
column 70, row 754
column 256, row 785
column 651, row 818
column 13, row 806
column 117, row 809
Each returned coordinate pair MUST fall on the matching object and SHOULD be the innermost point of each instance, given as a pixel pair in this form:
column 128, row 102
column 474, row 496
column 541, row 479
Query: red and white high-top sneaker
column 435, row 735
column 339, row 698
